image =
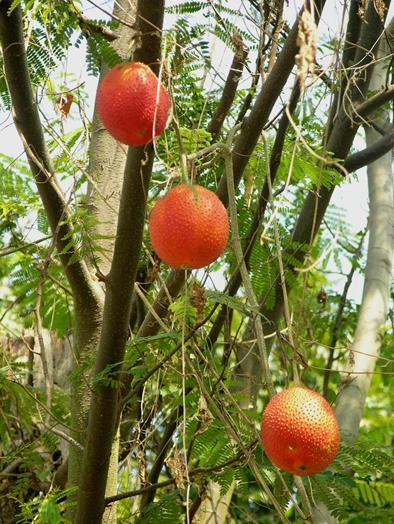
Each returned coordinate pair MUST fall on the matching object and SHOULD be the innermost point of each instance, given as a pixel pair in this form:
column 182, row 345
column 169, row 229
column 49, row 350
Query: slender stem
column 241, row 263
column 253, row 233
column 304, row 497
column 233, row 432
column 281, row 266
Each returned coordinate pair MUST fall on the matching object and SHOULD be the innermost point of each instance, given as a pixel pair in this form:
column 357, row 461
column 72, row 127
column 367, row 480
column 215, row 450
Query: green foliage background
column 359, row 487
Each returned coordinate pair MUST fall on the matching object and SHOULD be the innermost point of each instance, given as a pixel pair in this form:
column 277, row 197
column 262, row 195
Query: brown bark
column 229, row 91
column 107, row 160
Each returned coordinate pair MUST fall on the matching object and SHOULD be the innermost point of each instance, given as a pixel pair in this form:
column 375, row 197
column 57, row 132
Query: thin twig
column 65, row 437
column 89, row 26
column 48, row 377
column 256, row 470
column 280, row 262
column 13, row 249
column 304, row 497
column 192, row 473
column 226, row 151
column 112, row 15
column 339, row 315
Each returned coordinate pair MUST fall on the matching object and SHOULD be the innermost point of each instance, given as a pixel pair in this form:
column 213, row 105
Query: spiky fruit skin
column 189, row 227
column 126, row 102
column 300, row 432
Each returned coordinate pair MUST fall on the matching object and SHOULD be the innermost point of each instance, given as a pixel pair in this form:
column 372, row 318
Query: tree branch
column 243, row 148
column 28, row 123
column 14, row 249
column 161, row 456
column 373, row 103
column 170, row 289
column 265, row 101
column 348, row 56
column 352, row 34
column 89, row 26
column 113, row 16
column 229, row 90
column 373, row 152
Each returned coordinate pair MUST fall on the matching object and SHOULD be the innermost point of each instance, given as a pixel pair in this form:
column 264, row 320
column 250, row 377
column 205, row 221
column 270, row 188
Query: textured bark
column 214, row 507
column 119, row 288
column 107, row 160
column 229, row 91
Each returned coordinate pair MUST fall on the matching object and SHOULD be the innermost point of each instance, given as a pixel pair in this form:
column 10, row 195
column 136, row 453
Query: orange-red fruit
column 189, row 227
column 130, row 106
column 300, row 432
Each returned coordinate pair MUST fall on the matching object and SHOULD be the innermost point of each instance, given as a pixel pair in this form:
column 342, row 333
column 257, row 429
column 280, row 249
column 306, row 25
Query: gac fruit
column 299, row 431
column 133, row 106
column 189, row 227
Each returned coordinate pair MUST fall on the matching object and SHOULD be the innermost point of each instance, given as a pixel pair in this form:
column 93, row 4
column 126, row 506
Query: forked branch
column 29, row 126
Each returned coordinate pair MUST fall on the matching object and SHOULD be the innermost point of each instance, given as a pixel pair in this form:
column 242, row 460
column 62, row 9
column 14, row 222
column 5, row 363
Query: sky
column 352, row 196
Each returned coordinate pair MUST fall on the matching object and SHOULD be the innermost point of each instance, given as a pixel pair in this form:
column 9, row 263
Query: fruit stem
column 294, row 360
column 228, row 159
column 182, row 153
column 304, row 498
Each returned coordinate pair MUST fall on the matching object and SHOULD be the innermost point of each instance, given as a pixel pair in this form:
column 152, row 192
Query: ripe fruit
column 299, row 431
column 127, row 103
column 189, row 227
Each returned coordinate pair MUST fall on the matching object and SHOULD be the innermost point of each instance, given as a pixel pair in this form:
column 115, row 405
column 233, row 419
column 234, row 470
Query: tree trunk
column 214, row 507
column 107, row 156
column 378, row 273
column 107, row 161
column 102, row 420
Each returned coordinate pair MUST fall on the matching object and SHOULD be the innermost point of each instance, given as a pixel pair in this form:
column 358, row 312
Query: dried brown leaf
column 178, row 469
column 307, row 44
